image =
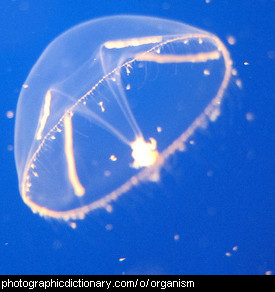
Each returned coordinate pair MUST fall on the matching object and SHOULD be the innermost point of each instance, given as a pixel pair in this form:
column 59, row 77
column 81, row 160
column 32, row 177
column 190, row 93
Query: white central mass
column 144, row 153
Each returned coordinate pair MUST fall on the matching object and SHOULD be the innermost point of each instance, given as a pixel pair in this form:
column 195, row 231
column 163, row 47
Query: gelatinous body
column 105, row 106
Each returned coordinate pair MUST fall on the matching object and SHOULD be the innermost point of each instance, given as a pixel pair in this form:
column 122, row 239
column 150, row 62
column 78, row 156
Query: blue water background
column 213, row 212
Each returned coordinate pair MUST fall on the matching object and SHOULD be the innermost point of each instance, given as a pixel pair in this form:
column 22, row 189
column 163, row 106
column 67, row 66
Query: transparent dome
column 107, row 103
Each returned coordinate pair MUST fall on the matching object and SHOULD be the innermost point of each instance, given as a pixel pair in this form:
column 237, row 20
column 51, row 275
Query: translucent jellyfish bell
column 107, row 103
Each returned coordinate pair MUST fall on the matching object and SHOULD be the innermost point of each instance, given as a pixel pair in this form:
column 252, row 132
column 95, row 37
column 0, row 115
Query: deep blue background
column 234, row 206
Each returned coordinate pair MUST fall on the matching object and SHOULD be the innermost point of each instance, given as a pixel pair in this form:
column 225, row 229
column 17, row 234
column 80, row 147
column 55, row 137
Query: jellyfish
column 107, row 104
